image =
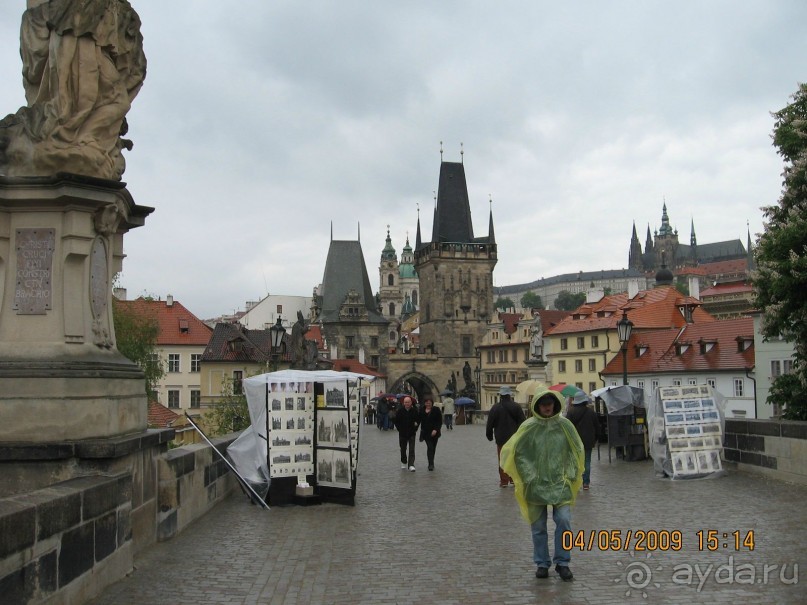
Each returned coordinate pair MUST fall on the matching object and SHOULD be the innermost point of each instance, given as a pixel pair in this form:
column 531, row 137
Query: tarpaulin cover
column 620, row 400
column 248, row 451
column 662, row 463
column 545, row 460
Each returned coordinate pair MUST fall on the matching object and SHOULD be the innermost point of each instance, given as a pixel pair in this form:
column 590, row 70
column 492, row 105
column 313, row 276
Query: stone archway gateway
column 417, row 383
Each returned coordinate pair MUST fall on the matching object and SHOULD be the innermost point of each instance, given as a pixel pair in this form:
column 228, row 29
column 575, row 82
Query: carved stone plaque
column 34, row 287
column 99, row 278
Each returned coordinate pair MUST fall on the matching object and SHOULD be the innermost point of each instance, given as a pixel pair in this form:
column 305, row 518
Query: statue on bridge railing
column 83, row 63
column 469, row 390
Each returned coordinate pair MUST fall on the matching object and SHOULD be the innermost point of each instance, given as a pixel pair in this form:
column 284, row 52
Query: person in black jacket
column 584, row 420
column 431, row 421
column 504, row 419
column 407, row 422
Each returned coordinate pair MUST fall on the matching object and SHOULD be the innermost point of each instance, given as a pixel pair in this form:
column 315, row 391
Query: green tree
column 230, row 412
column 566, row 301
column 682, row 287
column 781, row 256
column 503, row 304
column 531, row 300
column 136, row 339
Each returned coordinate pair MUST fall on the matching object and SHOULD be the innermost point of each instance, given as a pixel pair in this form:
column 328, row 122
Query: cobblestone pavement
column 453, row 536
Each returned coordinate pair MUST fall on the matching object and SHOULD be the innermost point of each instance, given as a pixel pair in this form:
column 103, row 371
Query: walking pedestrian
column 407, row 421
column 545, row 458
column 448, row 412
column 585, row 421
column 431, row 421
column 504, row 419
column 383, row 414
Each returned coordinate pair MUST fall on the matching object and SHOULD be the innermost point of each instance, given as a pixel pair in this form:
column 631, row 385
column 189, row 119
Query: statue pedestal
column 61, row 243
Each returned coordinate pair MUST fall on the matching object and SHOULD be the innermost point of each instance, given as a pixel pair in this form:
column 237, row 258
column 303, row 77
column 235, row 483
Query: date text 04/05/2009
column 656, row 540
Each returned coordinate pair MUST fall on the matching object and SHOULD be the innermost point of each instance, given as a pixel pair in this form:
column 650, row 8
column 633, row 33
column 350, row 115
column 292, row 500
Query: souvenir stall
column 302, row 446
column 686, row 431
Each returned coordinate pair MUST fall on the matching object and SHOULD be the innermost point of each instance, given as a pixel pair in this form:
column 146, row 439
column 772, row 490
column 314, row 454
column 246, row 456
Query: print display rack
column 313, row 437
column 693, row 430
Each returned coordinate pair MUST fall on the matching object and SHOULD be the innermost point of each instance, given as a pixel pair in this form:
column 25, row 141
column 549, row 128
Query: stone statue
column 83, row 63
column 298, row 347
column 466, row 374
column 538, row 341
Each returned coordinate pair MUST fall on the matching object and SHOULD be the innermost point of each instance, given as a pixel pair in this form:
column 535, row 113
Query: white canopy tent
column 248, row 451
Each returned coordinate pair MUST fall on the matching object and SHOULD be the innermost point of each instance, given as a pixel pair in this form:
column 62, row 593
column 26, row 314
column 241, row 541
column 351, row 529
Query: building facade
column 351, row 323
column 455, row 271
column 717, row 353
column 181, row 341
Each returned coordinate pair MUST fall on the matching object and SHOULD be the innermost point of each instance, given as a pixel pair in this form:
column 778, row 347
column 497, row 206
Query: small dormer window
column 183, row 326
column 743, row 344
column 681, row 348
column 641, row 350
column 706, row 346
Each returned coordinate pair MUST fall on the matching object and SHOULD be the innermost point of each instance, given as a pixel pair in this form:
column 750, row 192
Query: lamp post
column 276, row 333
column 624, row 327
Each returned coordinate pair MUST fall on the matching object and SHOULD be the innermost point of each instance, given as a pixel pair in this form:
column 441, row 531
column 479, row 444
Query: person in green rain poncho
column 545, row 460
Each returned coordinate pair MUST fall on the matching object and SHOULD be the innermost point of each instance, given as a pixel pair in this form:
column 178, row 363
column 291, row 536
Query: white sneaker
column 412, row 469
column 403, row 465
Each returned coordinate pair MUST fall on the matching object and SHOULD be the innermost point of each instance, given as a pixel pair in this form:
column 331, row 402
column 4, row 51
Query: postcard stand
column 313, row 438
column 693, row 431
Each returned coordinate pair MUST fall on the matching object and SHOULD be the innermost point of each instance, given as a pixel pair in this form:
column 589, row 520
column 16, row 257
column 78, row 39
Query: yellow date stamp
column 623, row 540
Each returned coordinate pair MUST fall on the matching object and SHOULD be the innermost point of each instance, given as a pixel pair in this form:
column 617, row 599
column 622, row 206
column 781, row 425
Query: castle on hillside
column 663, row 248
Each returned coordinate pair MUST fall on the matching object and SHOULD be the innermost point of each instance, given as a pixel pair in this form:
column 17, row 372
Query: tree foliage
column 781, row 256
column 531, row 300
column 503, row 304
column 136, row 339
column 566, row 301
column 230, row 412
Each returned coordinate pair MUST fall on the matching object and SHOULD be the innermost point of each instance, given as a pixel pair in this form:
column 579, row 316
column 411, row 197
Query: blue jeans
column 562, row 515
column 587, row 468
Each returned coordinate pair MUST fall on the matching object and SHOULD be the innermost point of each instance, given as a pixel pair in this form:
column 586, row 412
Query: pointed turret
column 693, row 244
column 635, row 252
column 452, row 215
column 665, row 223
column 388, row 253
column 491, row 235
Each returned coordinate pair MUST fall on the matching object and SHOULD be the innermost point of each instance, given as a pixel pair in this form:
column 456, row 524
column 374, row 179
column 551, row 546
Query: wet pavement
column 453, row 536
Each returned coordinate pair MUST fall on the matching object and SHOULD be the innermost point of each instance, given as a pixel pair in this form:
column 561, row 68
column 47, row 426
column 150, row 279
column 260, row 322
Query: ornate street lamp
column 624, row 327
column 276, row 333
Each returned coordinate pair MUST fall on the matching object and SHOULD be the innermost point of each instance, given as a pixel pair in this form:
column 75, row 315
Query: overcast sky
column 261, row 123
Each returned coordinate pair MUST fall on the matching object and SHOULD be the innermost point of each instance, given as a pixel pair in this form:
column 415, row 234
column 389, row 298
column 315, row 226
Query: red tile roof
column 551, row 317
column 178, row 326
column 649, row 309
column 235, row 343
column 354, row 365
column 738, row 265
column 727, row 288
column 160, row 416
column 510, row 321
column 664, row 355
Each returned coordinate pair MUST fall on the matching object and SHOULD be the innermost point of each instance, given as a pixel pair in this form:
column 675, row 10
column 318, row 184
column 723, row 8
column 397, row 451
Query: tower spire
column 491, row 235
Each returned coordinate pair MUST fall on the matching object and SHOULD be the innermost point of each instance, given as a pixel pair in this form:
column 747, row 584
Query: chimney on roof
column 694, row 287
column 169, row 301
column 594, row 295
column 633, row 288
column 119, row 293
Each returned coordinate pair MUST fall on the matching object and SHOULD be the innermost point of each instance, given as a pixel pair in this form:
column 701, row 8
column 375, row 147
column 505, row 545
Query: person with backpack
column 504, row 419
